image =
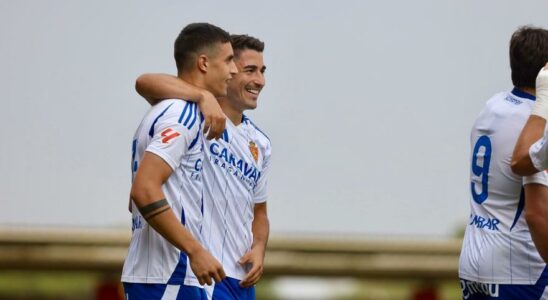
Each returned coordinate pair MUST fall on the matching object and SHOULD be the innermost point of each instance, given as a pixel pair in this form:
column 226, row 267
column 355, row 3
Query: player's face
column 244, row 88
column 221, row 70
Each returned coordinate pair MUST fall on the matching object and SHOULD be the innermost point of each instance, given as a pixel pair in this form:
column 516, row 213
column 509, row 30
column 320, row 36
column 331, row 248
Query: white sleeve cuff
column 163, row 156
column 537, row 153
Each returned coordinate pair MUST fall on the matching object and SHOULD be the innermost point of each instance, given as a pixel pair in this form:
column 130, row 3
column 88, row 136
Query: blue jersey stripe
column 192, row 110
column 151, row 131
column 194, row 117
column 184, row 112
column 133, row 152
column 194, row 141
column 257, row 128
column 225, row 136
column 521, row 205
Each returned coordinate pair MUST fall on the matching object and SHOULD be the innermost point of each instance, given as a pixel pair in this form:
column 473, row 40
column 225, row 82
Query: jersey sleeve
column 171, row 136
column 260, row 191
column 537, row 153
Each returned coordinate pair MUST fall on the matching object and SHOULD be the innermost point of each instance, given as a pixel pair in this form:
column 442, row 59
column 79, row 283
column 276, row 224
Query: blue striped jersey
column 235, row 179
column 171, row 130
column 497, row 246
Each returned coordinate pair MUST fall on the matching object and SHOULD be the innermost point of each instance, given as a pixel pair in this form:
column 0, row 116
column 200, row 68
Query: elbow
column 140, row 84
column 516, row 166
column 141, row 194
column 522, row 166
column 534, row 219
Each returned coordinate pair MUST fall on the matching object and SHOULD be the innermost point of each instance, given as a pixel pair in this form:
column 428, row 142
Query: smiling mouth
column 253, row 91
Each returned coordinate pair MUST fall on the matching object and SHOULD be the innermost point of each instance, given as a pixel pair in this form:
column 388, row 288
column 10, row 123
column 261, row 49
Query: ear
column 203, row 63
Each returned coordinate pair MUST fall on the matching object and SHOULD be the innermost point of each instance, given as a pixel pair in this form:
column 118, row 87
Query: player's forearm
column 532, row 132
column 168, row 226
column 156, row 87
column 538, row 225
column 161, row 218
column 261, row 229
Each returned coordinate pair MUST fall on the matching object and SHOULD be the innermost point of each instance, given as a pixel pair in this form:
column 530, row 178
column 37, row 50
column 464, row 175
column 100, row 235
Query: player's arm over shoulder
column 155, row 87
column 536, row 214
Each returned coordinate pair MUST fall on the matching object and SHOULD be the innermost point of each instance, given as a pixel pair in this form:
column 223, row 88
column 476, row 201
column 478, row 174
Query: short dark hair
column 242, row 42
column 528, row 54
column 194, row 38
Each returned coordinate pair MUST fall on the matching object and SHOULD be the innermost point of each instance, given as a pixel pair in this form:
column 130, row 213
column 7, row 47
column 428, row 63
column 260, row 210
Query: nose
column 233, row 69
column 259, row 79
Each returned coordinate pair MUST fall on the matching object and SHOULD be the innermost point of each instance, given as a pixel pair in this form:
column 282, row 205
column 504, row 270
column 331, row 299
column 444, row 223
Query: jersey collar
column 521, row 94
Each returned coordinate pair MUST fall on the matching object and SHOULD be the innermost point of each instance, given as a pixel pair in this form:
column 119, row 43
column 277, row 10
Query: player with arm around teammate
column 531, row 156
column 166, row 259
column 236, row 225
column 498, row 258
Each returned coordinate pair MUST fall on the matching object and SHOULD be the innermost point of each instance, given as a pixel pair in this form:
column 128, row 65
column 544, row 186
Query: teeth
column 255, row 92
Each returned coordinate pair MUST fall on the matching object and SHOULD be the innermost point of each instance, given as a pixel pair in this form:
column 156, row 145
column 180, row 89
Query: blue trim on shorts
column 230, row 289
column 155, row 291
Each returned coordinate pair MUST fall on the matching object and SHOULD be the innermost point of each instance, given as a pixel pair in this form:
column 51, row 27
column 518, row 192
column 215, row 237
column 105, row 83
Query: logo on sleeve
column 168, row 135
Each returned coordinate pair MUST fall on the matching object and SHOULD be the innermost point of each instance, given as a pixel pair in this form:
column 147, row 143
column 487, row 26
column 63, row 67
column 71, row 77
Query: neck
column 234, row 114
column 193, row 79
column 528, row 90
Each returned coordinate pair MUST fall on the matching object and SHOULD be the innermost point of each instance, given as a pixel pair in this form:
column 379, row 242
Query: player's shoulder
column 514, row 103
column 514, row 99
column 176, row 111
column 262, row 137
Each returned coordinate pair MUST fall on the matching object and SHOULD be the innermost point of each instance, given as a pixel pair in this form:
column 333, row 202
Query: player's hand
column 214, row 118
column 255, row 258
column 206, row 268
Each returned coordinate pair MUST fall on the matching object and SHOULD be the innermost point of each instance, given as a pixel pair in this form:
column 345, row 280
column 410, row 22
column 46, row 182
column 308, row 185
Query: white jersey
column 497, row 246
column 235, row 178
column 171, row 130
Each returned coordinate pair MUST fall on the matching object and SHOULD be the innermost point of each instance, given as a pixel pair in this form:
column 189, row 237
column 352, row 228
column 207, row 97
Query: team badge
column 254, row 150
column 169, row 134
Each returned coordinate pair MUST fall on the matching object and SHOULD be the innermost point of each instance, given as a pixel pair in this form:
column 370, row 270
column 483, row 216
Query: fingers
column 207, row 124
column 252, row 276
column 208, row 280
column 217, row 127
column 204, row 279
column 222, row 273
column 218, row 274
column 245, row 259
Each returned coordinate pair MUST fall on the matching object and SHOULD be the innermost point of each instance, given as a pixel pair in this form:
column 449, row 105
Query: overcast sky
column 368, row 105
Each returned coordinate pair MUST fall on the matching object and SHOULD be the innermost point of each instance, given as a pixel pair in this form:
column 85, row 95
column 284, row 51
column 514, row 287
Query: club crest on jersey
column 254, row 150
column 168, row 135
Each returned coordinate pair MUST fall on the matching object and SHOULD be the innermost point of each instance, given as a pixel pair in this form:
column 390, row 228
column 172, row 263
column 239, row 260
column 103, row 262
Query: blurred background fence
column 392, row 263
